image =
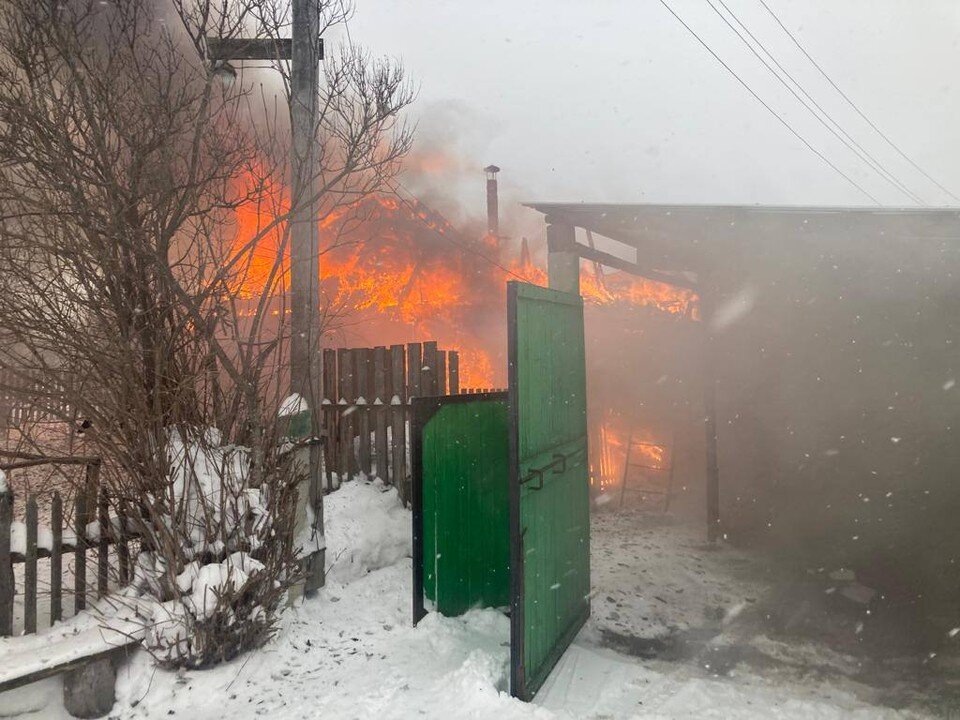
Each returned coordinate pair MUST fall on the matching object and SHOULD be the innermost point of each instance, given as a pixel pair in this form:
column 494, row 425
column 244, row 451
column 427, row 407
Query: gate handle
column 534, row 473
column 559, row 458
column 537, row 473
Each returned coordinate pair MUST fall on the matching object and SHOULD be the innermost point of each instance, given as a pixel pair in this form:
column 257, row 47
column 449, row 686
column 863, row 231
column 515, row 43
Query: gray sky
column 613, row 100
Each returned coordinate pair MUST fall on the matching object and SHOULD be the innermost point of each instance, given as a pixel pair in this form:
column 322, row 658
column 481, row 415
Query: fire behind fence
column 366, row 406
column 43, row 557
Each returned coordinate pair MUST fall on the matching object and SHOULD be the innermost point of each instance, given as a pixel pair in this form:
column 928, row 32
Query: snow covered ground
column 351, row 652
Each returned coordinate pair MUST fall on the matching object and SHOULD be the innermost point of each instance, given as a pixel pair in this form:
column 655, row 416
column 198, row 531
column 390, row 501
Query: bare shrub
column 124, row 163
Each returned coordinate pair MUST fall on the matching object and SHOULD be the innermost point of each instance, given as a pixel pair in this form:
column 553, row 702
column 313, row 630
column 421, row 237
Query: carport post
column 710, row 415
column 563, row 260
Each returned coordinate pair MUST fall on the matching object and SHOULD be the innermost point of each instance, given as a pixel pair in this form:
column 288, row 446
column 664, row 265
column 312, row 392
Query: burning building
column 395, row 270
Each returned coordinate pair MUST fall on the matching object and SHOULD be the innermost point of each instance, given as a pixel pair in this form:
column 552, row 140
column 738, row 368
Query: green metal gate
column 549, row 483
column 461, row 533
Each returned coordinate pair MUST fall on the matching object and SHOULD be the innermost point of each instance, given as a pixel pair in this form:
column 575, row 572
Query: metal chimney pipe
column 493, row 201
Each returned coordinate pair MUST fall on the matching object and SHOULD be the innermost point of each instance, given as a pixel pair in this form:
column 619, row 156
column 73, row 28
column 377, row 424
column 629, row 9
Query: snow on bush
column 220, row 555
column 213, row 502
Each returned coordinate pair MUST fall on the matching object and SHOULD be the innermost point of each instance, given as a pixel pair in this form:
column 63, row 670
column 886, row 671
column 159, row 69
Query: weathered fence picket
column 6, row 565
column 428, row 379
column 414, row 369
column 56, row 558
column 124, row 562
column 441, row 374
column 398, row 425
column 34, row 542
column 363, row 402
column 80, row 554
column 103, row 546
column 454, row 362
column 365, row 405
column 379, row 409
column 30, row 569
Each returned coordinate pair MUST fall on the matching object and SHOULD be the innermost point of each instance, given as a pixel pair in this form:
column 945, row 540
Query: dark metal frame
column 421, row 411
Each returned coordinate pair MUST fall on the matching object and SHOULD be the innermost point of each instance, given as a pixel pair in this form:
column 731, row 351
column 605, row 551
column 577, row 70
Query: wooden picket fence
column 88, row 527
column 367, row 395
column 366, row 406
column 23, row 401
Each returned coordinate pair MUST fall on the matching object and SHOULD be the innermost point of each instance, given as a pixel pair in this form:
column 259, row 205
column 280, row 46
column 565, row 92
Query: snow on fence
column 366, row 406
column 24, row 543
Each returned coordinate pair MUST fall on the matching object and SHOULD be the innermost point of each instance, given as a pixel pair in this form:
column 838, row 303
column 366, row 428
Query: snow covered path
column 351, row 653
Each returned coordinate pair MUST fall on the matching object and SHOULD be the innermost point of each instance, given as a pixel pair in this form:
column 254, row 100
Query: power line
column 841, row 134
column 769, row 109
column 854, row 105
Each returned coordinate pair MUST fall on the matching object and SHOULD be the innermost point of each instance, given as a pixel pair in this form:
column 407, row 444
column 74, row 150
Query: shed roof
column 692, row 237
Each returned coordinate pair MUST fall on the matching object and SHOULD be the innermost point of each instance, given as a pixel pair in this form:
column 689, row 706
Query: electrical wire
column 769, row 109
column 854, row 105
column 841, row 134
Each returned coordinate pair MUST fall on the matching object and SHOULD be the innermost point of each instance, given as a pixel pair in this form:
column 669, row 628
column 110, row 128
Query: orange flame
column 394, row 263
column 612, row 440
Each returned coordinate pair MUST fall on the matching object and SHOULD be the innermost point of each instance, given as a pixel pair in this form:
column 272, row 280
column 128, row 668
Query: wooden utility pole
column 305, row 51
column 305, row 359
column 304, row 237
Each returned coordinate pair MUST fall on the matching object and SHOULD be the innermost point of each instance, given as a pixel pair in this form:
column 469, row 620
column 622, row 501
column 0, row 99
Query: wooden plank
column 236, row 48
column 124, row 562
column 414, row 365
column 91, row 490
column 398, row 437
column 30, row 569
column 329, row 384
column 54, row 460
column 56, row 559
column 345, row 393
column 7, row 585
column 328, row 416
column 453, row 368
column 379, row 409
column 103, row 546
column 428, row 379
column 364, row 391
column 80, row 554
column 441, row 372
column 604, row 258
column 23, row 666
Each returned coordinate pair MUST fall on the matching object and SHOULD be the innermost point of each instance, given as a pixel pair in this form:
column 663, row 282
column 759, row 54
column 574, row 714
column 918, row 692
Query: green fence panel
column 460, row 500
column 549, row 486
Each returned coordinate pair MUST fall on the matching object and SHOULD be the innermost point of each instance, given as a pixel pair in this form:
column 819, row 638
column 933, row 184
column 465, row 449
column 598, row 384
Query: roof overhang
column 695, row 238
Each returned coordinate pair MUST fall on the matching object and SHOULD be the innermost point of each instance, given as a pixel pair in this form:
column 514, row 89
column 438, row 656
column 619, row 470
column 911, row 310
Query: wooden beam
column 604, row 258
column 251, row 48
column 563, row 263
